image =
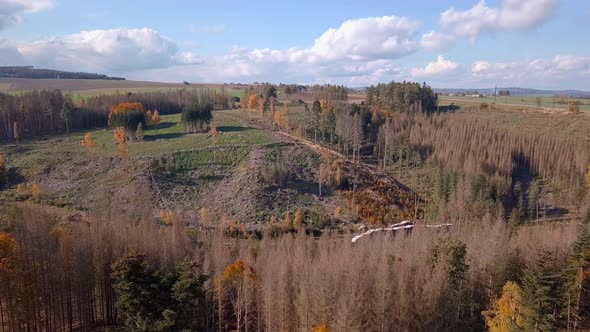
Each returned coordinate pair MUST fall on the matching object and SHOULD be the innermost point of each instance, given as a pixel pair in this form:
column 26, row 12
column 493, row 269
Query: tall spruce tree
column 540, row 288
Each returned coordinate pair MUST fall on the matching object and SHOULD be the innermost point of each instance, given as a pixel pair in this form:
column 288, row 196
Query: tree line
column 51, row 112
column 32, row 72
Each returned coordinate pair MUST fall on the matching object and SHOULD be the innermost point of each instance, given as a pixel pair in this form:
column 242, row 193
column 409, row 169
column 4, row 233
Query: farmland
column 547, row 103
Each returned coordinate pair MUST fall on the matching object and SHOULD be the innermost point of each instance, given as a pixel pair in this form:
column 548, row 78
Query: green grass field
column 515, row 102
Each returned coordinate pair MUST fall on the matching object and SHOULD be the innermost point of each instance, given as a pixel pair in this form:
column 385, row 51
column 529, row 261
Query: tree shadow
column 556, row 212
column 14, row 176
column 226, row 129
column 162, row 125
column 162, row 136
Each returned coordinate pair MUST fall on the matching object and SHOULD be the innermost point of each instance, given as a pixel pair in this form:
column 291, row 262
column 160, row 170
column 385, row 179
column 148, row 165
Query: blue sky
column 527, row 43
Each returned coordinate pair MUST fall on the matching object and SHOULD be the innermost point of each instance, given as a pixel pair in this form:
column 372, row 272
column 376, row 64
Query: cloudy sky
column 465, row 43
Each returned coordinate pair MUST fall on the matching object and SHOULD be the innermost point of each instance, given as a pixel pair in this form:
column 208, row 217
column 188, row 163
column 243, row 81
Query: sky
column 465, row 43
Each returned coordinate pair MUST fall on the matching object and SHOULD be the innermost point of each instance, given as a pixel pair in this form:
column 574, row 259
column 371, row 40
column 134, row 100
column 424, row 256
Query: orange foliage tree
column 253, row 101
column 155, row 118
column 121, row 139
column 36, row 192
column 115, row 117
column 88, row 142
column 321, row 328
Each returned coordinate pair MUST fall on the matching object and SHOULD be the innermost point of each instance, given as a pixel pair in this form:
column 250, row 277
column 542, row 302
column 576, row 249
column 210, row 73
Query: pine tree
column 540, row 294
column 190, row 296
column 577, row 281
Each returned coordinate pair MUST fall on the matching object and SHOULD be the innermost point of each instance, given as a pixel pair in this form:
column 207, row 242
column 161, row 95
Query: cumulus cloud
column 113, row 50
column 436, row 41
column 438, row 67
column 558, row 70
column 368, row 38
column 511, row 15
column 11, row 10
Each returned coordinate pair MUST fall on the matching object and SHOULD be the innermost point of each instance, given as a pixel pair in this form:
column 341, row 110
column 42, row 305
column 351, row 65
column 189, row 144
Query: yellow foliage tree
column 298, row 219
column 21, row 189
column 506, row 312
column 88, row 142
column 168, row 218
column 204, row 216
column 36, row 192
column 148, row 116
column 121, row 139
column 155, row 119
column 321, row 328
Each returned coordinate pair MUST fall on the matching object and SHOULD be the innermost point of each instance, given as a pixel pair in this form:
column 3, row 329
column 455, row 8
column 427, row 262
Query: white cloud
column 511, row 15
column 558, row 71
column 112, row 51
column 11, row 10
column 368, row 38
column 438, row 67
column 436, row 41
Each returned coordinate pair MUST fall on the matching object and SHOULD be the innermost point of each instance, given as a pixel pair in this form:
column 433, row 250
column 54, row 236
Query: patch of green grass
column 515, row 102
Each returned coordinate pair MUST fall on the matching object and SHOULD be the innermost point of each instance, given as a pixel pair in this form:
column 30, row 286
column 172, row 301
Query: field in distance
column 547, row 103
column 89, row 88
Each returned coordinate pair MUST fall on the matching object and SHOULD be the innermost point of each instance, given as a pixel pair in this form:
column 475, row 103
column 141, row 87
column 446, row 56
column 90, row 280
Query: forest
column 500, row 215
column 32, row 72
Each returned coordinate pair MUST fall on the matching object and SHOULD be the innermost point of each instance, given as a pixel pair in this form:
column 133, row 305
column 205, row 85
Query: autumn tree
column 253, row 101
column 506, row 312
column 128, row 116
column 36, row 192
column 88, row 142
column 139, row 134
column 298, row 218
column 155, row 118
column 121, row 139
column 239, row 283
